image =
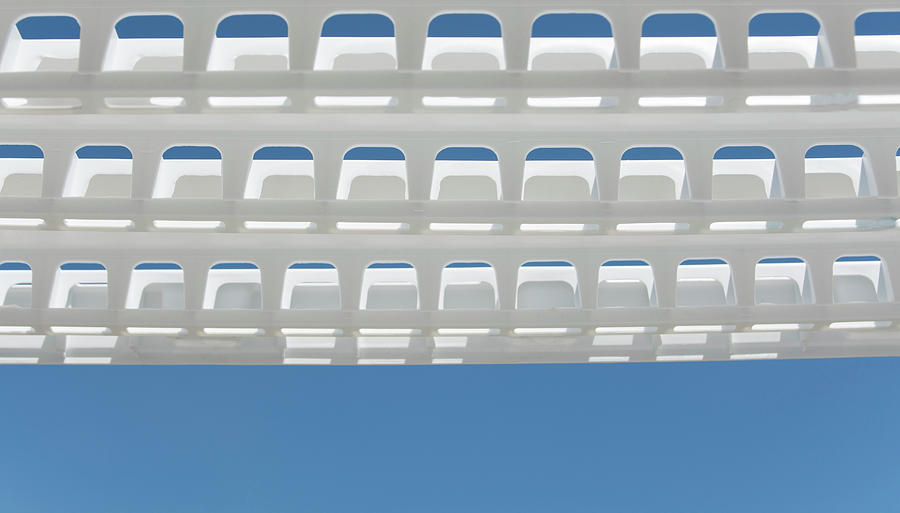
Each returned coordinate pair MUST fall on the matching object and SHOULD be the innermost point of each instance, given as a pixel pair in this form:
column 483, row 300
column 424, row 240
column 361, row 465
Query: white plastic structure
column 296, row 191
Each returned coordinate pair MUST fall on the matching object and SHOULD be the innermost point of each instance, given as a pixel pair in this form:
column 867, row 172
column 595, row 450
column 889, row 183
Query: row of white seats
column 560, row 180
column 539, row 286
column 445, row 53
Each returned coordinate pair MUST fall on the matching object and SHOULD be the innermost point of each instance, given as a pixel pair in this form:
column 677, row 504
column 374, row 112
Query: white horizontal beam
column 325, row 213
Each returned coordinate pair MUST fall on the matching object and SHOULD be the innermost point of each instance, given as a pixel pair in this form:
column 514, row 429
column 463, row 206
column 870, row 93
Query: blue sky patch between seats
column 151, row 26
column 20, row 151
column 678, row 25
column 235, row 265
column 781, row 260
column 49, row 27
column 784, row 24
column 652, row 153
column 192, row 153
column 878, row 23
column 464, row 25
column 311, row 265
column 82, row 266
column 103, row 152
column 571, row 25
column 743, row 152
column 14, row 266
column 283, row 153
column 252, row 25
column 390, row 265
column 834, row 151
column 466, row 153
column 358, row 25
column 456, row 265
column 703, row 261
column 157, row 265
column 374, row 153
column 625, row 263
column 559, row 154
column 548, row 263
column 861, row 258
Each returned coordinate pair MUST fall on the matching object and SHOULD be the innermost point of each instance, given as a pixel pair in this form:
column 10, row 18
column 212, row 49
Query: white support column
column 236, row 158
column 698, row 161
column 837, row 35
column 428, row 275
column 821, row 272
column 665, row 271
column 743, row 275
column 516, row 32
column 43, row 274
column 350, row 274
column 790, row 163
column 410, row 30
column 607, row 160
column 891, row 263
column 627, row 24
column 419, row 170
column 8, row 21
column 507, row 284
column 328, row 155
column 118, row 274
column 146, row 157
column 512, row 167
column 196, row 273
column 588, row 272
column 881, row 159
column 732, row 31
column 57, row 163
column 304, row 28
column 96, row 32
column 199, row 32
column 272, row 271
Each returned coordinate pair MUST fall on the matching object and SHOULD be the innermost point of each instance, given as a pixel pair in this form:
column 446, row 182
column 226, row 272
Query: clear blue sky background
column 809, row 435
column 812, row 436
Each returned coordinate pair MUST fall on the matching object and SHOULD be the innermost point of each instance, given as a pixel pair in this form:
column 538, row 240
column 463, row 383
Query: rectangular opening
column 311, row 286
column 704, row 282
column 547, row 285
column 389, row 286
column 355, row 101
column 233, row 285
column 80, row 285
column 468, row 286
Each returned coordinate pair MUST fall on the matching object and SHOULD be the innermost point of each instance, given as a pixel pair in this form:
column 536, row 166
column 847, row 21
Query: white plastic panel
column 272, row 119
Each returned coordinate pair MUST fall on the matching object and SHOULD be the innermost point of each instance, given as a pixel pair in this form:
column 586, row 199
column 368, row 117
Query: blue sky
column 458, row 25
column 806, row 435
